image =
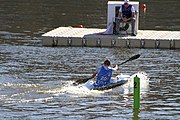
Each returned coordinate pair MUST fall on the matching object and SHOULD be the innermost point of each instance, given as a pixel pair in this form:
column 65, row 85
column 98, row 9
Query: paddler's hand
column 115, row 67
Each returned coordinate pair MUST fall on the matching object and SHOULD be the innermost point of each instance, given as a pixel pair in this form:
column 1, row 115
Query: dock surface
column 92, row 37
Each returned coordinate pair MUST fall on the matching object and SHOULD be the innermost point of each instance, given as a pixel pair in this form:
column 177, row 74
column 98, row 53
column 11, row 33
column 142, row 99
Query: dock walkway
column 92, row 37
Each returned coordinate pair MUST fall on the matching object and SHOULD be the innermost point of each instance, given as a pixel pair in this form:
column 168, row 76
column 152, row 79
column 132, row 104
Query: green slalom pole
column 136, row 93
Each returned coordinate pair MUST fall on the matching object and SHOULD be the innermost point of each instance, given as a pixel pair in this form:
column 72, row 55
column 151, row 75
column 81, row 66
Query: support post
column 136, row 93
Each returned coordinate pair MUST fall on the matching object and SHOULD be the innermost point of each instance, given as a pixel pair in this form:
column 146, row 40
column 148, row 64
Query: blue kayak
column 110, row 85
column 120, row 81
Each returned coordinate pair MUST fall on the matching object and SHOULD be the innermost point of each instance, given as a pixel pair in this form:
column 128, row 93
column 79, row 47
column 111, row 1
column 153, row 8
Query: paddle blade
column 132, row 58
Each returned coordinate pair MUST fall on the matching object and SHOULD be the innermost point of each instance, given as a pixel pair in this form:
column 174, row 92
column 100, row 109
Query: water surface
column 35, row 81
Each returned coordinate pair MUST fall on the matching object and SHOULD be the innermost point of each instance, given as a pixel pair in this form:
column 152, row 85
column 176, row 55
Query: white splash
column 73, row 91
column 144, row 82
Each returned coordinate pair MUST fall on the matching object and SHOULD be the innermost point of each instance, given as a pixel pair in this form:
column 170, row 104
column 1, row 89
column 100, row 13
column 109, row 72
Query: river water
column 36, row 81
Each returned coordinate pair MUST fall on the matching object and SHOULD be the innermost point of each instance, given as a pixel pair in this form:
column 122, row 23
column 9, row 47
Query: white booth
column 113, row 9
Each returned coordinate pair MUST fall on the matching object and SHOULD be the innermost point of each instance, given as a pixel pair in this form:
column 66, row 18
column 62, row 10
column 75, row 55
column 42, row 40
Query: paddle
column 82, row 81
column 130, row 59
column 86, row 79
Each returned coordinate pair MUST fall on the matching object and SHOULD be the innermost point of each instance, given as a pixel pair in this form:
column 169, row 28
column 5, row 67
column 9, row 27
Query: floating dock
column 92, row 37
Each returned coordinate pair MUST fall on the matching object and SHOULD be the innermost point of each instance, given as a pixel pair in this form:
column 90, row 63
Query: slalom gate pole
column 136, row 97
column 136, row 93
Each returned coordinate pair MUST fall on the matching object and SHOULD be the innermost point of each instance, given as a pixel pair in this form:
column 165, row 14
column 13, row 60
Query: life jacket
column 126, row 12
column 103, row 77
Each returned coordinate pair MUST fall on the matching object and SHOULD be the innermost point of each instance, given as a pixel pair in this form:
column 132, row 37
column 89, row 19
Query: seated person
column 126, row 14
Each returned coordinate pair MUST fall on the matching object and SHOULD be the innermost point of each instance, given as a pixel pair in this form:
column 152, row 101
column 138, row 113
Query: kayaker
column 104, row 73
column 126, row 15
